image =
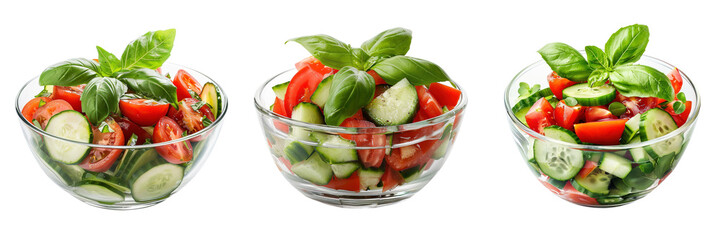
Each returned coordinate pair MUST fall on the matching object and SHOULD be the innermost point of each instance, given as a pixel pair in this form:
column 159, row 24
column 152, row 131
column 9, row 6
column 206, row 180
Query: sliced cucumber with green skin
column 305, row 112
column 445, row 141
column 521, row 115
column 527, row 102
column 322, row 93
column 280, row 90
column 631, row 129
column 123, row 162
column 590, row 96
column 335, row 149
column 112, row 181
column 135, row 161
column 556, row 161
column 556, row 183
column 640, row 156
column 296, row 152
column 615, row 165
column 534, row 167
column 553, row 101
column 71, row 175
column 560, row 133
column 314, row 170
column 389, row 140
column 654, row 124
column 594, row 185
column 413, row 173
column 636, row 179
column 664, row 165
column 100, row 192
column 370, row 177
column 72, row 125
column 155, row 180
column 211, row 95
column 344, row 170
column 619, row 188
column 396, row 106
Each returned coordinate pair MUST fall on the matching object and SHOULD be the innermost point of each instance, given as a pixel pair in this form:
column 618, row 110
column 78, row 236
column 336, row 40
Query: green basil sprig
column 108, row 80
column 391, row 42
column 350, row 90
column 622, row 49
column 417, row 71
column 328, row 50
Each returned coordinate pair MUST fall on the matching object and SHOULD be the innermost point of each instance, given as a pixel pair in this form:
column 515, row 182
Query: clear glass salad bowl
column 640, row 183
column 124, row 194
column 437, row 135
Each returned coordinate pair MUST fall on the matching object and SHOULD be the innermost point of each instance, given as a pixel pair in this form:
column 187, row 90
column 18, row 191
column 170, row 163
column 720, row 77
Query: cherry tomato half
column 101, row 159
column 184, row 82
column 636, row 105
column 130, row 128
column 144, row 112
column 70, row 95
column 190, row 119
column 32, row 106
column 167, row 130
column 44, row 113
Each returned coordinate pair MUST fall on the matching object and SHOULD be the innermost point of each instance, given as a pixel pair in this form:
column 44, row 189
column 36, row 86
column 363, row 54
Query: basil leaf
column 360, row 57
column 679, row 107
column 391, row 42
column 617, row 108
column 148, row 51
column 109, row 63
column 597, row 78
column 641, row 81
column 417, row 71
column 596, row 58
column 101, row 97
column 149, row 84
column 71, row 72
column 566, row 61
column 350, row 91
column 681, row 96
column 328, row 50
column 627, row 44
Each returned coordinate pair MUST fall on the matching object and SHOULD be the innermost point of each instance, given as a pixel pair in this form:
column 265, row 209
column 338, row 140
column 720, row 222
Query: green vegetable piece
column 149, row 84
column 391, row 42
column 101, row 97
column 617, row 108
column 417, row 71
column 109, row 63
column 627, row 44
column 566, row 61
column 598, row 77
column 350, row 90
column 71, row 72
column 148, row 51
column 641, row 81
column 596, row 58
column 570, row 101
column 328, row 50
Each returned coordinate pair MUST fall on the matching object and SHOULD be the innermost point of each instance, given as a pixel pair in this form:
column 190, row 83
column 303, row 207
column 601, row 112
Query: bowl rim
column 460, row 106
column 217, row 121
column 680, row 130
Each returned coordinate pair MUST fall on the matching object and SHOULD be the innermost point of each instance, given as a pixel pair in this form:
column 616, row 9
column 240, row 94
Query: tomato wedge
column 446, row 95
column 557, row 84
column 101, row 159
column 184, row 83
column 32, row 106
column 279, row 108
column 379, row 80
column 315, row 65
column 587, row 169
column 144, row 112
column 369, row 157
column 540, row 115
column 636, row 105
column 301, row 88
column 605, row 132
column 428, row 104
column 167, row 130
column 572, row 195
column 189, row 118
column 566, row 116
column 44, row 113
column 70, row 95
column 391, row 179
column 680, row 119
column 130, row 128
column 351, row 183
column 598, row 113
column 676, row 80
column 550, row 187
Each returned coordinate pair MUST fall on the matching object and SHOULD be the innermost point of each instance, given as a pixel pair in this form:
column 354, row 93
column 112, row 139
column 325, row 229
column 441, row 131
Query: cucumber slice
column 322, row 93
column 640, row 156
column 344, row 170
column 99, row 191
column 445, row 141
column 71, row 175
column 389, row 140
column 305, row 112
column 71, row 125
column 618, row 187
column 556, row 183
column 631, row 129
column 335, row 149
column 280, row 89
column 156, row 180
column 521, row 114
column 636, row 179
column 370, row 177
column 313, row 169
column 594, row 185
column 615, row 164
column 211, row 95
column 527, row 102
column 112, row 181
column 590, row 96
column 397, row 105
column 664, row 165
column 556, row 161
column 560, row 133
column 656, row 123
column 296, row 152
column 412, row 173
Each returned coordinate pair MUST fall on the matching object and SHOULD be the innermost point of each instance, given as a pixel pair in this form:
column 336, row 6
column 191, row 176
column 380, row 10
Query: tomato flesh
column 391, row 179
column 379, row 80
column 32, row 106
column 189, row 118
column 557, row 84
column 369, row 157
column 566, row 116
column 572, row 195
column 598, row 113
column 351, row 183
column 636, row 105
column 315, row 65
column 184, row 83
column 587, row 169
column 144, row 112
column 604, row 133
column 428, row 104
column 540, row 115
column 167, row 130
column 70, row 94
column 446, row 95
column 680, row 119
column 301, row 88
column 676, row 80
column 101, row 159
column 44, row 113
column 129, row 128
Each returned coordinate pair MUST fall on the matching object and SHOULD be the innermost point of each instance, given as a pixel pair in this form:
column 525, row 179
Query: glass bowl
column 83, row 184
column 366, row 187
column 641, row 183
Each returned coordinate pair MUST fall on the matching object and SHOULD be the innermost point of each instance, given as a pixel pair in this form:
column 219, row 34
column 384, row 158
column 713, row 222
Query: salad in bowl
column 602, row 127
column 118, row 133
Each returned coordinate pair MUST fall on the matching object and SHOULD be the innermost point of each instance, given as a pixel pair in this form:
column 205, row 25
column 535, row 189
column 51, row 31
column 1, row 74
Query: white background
column 485, row 189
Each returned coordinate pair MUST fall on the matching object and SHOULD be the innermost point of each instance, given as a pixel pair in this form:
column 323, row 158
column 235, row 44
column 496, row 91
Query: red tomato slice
column 587, row 169
column 550, row 187
column 680, row 119
column 572, row 195
column 184, row 83
column 144, row 112
column 391, row 179
column 32, row 106
column 44, row 113
column 130, row 128
column 540, row 115
column 101, row 159
column 605, row 132
column 351, row 183
column 557, row 84
column 676, row 80
column 279, row 108
column 189, row 118
column 369, row 157
column 404, row 157
column 70, row 95
column 379, row 80
column 428, row 103
column 566, row 116
column 598, row 113
column 636, row 105
column 301, row 87
column 446, row 95
column 167, row 130
column 314, row 64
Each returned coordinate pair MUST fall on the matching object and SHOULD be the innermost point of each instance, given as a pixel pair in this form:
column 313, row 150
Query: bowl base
column 129, row 205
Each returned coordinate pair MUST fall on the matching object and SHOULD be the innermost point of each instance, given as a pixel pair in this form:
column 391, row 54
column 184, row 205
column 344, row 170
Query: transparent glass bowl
column 71, row 177
column 644, row 182
column 428, row 135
